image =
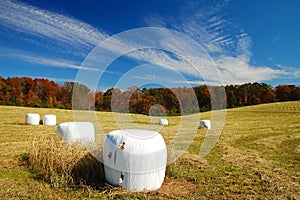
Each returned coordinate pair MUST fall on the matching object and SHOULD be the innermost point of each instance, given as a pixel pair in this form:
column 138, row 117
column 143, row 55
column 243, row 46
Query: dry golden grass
column 256, row 157
column 62, row 164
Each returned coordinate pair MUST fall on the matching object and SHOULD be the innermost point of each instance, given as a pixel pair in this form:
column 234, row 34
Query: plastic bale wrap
column 163, row 122
column 135, row 159
column 32, row 119
column 74, row 132
column 205, row 124
column 49, row 120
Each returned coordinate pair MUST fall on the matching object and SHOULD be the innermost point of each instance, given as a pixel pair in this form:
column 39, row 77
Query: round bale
column 135, row 159
column 49, row 120
column 163, row 122
column 74, row 132
column 205, row 124
column 32, row 119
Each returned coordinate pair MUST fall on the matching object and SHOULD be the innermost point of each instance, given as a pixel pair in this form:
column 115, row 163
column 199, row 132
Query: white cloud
column 64, row 35
column 55, row 79
column 196, row 82
column 156, row 19
column 237, row 70
column 40, row 23
column 54, row 62
column 227, row 43
column 292, row 72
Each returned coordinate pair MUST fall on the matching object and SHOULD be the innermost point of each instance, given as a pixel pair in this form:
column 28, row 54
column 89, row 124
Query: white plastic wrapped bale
column 163, row 122
column 32, row 119
column 205, row 124
column 73, row 132
column 49, row 120
column 135, row 159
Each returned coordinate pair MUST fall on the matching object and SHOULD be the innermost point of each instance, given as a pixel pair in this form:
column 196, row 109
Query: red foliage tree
column 44, row 93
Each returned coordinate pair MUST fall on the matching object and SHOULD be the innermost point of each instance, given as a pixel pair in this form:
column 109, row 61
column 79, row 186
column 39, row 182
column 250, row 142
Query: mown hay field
column 257, row 157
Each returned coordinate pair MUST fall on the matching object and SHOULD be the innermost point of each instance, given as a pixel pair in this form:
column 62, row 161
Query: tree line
column 171, row 101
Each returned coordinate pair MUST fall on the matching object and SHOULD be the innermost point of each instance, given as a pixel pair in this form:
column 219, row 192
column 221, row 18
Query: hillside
column 257, row 156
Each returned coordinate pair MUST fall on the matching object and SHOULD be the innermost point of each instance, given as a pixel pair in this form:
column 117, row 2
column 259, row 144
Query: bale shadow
column 89, row 172
column 16, row 123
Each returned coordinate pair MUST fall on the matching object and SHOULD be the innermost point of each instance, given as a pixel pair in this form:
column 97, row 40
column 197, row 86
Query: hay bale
column 74, row 132
column 163, row 122
column 135, row 159
column 205, row 124
column 49, row 120
column 32, row 119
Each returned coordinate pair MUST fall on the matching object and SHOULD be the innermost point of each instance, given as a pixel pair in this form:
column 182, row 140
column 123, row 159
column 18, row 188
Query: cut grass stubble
column 256, row 157
column 62, row 164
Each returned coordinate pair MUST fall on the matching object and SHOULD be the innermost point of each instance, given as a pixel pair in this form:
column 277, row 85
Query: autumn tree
column 98, row 100
column 287, row 93
column 203, row 96
column 41, row 92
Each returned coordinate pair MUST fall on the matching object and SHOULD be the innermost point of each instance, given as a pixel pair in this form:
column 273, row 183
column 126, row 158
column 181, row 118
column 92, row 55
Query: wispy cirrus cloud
column 55, row 79
column 226, row 42
column 290, row 72
column 54, row 62
column 238, row 70
column 50, row 27
column 28, row 57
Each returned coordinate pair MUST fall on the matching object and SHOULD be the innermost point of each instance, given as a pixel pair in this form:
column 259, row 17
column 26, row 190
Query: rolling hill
column 257, row 156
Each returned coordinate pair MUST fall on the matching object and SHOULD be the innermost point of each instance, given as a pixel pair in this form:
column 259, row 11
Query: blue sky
column 241, row 41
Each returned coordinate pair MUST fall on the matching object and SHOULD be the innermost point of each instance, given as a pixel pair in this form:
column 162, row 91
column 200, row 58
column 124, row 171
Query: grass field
column 256, row 157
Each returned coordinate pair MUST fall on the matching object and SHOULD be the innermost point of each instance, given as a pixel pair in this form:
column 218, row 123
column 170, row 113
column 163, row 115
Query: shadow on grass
column 87, row 172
